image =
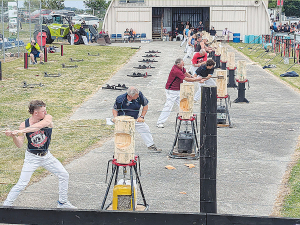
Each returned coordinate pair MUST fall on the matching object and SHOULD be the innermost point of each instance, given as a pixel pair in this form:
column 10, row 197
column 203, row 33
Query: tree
column 46, row 4
column 290, row 8
column 97, row 5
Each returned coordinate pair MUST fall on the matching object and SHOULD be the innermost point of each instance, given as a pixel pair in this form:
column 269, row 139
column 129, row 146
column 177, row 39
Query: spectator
column 298, row 26
column 83, row 35
column 126, row 34
column 188, row 23
column 83, row 22
column 132, row 34
column 181, row 28
column 200, row 27
column 213, row 32
column 34, row 51
column 226, row 33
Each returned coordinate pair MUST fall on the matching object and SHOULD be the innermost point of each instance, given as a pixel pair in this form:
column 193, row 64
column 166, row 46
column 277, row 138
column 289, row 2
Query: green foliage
column 49, row 4
column 290, row 8
column 99, row 6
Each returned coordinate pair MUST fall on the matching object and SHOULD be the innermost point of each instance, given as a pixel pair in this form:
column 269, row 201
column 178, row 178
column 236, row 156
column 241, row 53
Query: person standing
column 190, row 47
column 200, row 27
column 34, row 51
column 83, row 34
column 129, row 104
column 198, row 60
column 38, row 130
column 213, row 32
column 177, row 75
column 185, row 33
column 204, row 72
column 226, row 33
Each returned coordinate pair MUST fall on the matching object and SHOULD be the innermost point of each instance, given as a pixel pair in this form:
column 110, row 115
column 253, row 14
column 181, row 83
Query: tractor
column 58, row 28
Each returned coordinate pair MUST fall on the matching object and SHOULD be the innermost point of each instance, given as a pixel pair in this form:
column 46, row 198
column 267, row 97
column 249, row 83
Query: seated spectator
column 83, row 35
column 286, row 28
column 200, row 27
column 132, row 35
column 34, row 51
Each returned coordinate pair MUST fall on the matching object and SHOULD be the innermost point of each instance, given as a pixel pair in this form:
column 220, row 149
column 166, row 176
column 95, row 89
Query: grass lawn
column 291, row 204
column 62, row 95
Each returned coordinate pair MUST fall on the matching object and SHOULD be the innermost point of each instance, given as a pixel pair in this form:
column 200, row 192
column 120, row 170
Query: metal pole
column 3, row 49
column 18, row 28
column 29, row 21
column 208, row 150
column 41, row 24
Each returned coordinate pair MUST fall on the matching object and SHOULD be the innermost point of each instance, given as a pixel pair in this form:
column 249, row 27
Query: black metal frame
column 193, row 123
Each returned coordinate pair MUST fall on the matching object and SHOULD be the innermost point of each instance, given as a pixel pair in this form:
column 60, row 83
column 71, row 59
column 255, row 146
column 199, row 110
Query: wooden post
column 218, row 50
column 25, row 60
column 208, row 150
column 241, row 70
column 231, row 60
column 186, row 100
column 222, row 83
column 124, row 139
column 224, row 54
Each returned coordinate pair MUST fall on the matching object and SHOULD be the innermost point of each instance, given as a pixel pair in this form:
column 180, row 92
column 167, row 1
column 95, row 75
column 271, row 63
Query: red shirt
column 175, row 78
column 198, row 58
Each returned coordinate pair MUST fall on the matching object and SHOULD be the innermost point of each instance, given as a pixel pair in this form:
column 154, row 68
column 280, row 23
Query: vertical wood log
column 186, row 100
column 231, row 60
column 224, row 54
column 124, row 139
column 218, row 50
column 221, row 83
column 241, row 70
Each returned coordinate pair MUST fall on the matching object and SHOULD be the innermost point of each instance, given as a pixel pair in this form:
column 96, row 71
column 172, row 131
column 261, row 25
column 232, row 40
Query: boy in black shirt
column 205, row 71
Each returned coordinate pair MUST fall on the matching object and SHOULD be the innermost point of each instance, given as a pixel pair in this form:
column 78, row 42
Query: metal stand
column 231, row 78
column 218, row 57
column 223, row 117
column 213, row 56
column 223, row 65
column 241, row 91
column 114, row 176
column 185, row 145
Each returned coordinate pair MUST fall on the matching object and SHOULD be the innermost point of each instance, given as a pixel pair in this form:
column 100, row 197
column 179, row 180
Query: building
column 153, row 16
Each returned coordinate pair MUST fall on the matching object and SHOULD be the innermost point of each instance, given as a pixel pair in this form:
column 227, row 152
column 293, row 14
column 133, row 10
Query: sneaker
column 160, row 125
column 154, row 148
column 41, row 63
column 66, row 205
column 33, row 63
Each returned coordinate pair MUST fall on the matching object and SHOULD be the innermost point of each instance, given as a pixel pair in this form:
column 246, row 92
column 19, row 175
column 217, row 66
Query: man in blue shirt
column 129, row 104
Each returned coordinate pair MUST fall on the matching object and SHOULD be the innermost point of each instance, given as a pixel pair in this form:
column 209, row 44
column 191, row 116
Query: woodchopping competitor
column 38, row 131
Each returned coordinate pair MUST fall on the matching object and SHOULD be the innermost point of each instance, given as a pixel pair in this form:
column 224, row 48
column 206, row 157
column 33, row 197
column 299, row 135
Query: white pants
column 210, row 82
column 31, row 163
column 184, row 40
column 180, row 36
column 189, row 52
column 72, row 39
column 193, row 69
column 172, row 97
column 85, row 40
column 144, row 131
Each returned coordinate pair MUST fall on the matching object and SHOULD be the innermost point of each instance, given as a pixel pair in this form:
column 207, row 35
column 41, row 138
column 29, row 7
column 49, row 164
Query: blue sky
column 68, row 3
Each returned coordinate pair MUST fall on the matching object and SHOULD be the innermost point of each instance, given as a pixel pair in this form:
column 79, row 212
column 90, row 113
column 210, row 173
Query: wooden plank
column 224, row 54
column 124, row 139
column 231, row 60
column 186, row 100
column 221, row 83
column 241, row 70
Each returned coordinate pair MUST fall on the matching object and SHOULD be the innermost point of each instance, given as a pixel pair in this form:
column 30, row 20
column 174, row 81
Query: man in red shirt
column 199, row 59
column 176, row 77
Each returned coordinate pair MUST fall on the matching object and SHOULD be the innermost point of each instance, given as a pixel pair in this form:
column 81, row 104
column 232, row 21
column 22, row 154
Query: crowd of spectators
column 293, row 28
